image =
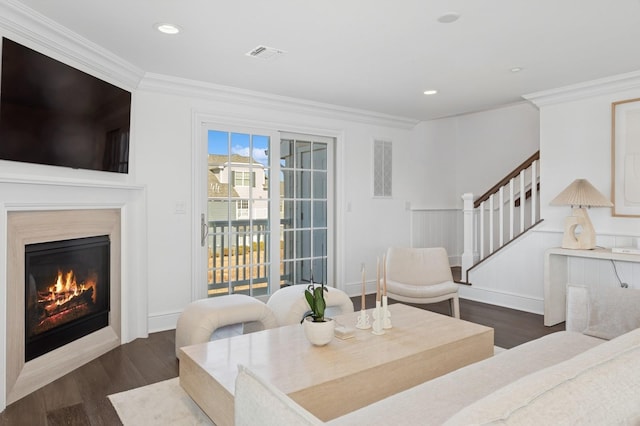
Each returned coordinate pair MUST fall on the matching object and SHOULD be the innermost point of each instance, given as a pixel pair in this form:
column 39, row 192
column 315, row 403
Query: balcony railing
column 239, row 258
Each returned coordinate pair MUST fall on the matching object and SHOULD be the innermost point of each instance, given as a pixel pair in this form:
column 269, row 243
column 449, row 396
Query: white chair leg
column 455, row 306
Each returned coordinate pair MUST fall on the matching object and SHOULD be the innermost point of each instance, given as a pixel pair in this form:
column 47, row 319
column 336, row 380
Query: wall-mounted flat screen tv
column 51, row 113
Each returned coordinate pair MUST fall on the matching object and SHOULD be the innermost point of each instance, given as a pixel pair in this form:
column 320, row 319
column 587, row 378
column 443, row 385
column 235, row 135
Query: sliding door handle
column 204, row 231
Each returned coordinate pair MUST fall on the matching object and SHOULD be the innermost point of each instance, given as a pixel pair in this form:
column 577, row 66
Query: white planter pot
column 318, row 333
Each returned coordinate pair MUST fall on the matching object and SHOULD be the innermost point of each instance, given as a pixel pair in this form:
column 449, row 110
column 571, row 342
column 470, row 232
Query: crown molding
column 602, row 86
column 38, row 30
column 29, row 25
column 215, row 92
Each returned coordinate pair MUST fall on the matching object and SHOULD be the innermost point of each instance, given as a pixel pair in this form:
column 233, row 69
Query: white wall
column 576, row 143
column 467, row 153
column 434, row 144
column 163, row 151
column 490, row 144
column 513, row 277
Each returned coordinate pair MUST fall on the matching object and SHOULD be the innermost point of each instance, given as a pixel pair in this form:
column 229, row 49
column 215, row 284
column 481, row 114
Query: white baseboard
column 164, row 321
column 507, row 300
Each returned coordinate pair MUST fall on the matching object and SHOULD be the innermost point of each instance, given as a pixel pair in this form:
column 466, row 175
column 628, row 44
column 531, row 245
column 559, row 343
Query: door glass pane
column 303, row 184
column 288, row 244
column 305, row 209
column 286, row 153
column 319, row 271
column 303, row 155
column 319, row 156
column 288, row 214
column 303, row 214
column 238, row 213
column 303, row 271
column 319, row 214
column 288, row 179
column 287, row 277
column 319, row 185
column 303, row 243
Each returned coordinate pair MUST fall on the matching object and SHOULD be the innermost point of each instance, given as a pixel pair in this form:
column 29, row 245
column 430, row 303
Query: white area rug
column 164, row 403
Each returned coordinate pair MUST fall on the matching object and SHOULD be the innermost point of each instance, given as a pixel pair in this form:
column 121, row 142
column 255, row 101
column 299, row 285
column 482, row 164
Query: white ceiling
column 377, row 55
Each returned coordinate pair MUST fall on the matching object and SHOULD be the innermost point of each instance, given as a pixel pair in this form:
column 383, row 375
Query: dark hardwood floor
column 80, row 397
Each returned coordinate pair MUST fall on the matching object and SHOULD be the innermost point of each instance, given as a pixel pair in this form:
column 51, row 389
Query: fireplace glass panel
column 66, row 292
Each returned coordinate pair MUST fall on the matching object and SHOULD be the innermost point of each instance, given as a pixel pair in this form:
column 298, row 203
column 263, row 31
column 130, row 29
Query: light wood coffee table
column 343, row 376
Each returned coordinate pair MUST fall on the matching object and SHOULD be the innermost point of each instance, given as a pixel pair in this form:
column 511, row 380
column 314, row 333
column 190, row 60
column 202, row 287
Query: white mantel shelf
column 69, row 183
column 556, row 277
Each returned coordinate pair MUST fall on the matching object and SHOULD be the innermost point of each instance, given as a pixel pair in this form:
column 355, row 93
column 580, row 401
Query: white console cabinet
column 556, row 277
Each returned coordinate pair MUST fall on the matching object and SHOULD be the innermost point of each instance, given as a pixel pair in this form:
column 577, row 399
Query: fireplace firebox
column 66, row 292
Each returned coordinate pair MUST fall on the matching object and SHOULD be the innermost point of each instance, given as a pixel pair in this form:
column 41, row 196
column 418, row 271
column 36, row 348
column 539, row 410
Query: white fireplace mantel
column 26, row 194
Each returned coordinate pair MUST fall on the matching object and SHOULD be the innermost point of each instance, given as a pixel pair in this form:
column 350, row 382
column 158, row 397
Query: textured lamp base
column 579, row 221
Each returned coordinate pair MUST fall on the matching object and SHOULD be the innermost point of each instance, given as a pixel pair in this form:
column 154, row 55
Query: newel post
column 467, row 219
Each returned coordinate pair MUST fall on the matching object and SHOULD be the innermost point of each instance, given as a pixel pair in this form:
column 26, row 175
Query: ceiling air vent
column 264, row 52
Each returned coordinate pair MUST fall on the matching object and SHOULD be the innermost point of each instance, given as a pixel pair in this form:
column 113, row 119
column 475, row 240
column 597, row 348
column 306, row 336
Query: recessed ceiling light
column 449, row 17
column 430, row 92
column 167, row 28
column 516, row 69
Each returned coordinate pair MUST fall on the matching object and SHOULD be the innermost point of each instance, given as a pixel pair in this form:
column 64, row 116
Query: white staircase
column 502, row 214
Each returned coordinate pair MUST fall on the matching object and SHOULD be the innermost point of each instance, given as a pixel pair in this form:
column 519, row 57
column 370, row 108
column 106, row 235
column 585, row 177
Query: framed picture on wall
column 625, row 157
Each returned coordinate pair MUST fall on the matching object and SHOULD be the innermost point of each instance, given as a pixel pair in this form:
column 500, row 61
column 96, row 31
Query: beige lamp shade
column 581, row 194
column 578, row 229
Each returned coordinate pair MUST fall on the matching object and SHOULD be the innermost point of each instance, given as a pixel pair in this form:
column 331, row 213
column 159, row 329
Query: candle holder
column 363, row 320
column 386, row 314
column 377, row 320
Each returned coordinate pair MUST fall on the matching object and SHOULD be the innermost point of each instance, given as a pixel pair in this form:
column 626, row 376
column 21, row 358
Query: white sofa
column 563, row 378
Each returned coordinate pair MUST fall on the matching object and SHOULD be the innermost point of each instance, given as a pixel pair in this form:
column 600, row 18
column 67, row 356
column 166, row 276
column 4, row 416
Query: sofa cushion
column 613, row 311
column 258, row 402
column 433, row 402
column 599, row 386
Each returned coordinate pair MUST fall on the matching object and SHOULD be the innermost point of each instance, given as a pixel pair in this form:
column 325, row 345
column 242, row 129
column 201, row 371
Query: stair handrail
column 525, row 165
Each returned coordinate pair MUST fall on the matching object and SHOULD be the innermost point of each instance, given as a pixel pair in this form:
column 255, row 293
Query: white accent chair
column 421, row 275
column 289, row 305
column 200, row 319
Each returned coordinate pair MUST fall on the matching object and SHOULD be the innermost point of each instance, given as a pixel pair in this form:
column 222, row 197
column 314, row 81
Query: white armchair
column 421, row 275
column 289, row 305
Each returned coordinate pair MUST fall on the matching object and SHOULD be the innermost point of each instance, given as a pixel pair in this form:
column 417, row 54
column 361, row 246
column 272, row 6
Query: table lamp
column 578, row 229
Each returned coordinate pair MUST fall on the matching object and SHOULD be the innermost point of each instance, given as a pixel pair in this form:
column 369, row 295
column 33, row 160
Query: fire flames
column 64, row 300
column 66, row 288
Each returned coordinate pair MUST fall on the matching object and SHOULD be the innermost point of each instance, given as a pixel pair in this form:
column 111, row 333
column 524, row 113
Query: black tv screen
column 51, row 113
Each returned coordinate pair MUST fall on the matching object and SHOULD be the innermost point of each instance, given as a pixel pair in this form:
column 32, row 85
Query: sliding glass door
column 306, row 219
column 268, row 220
